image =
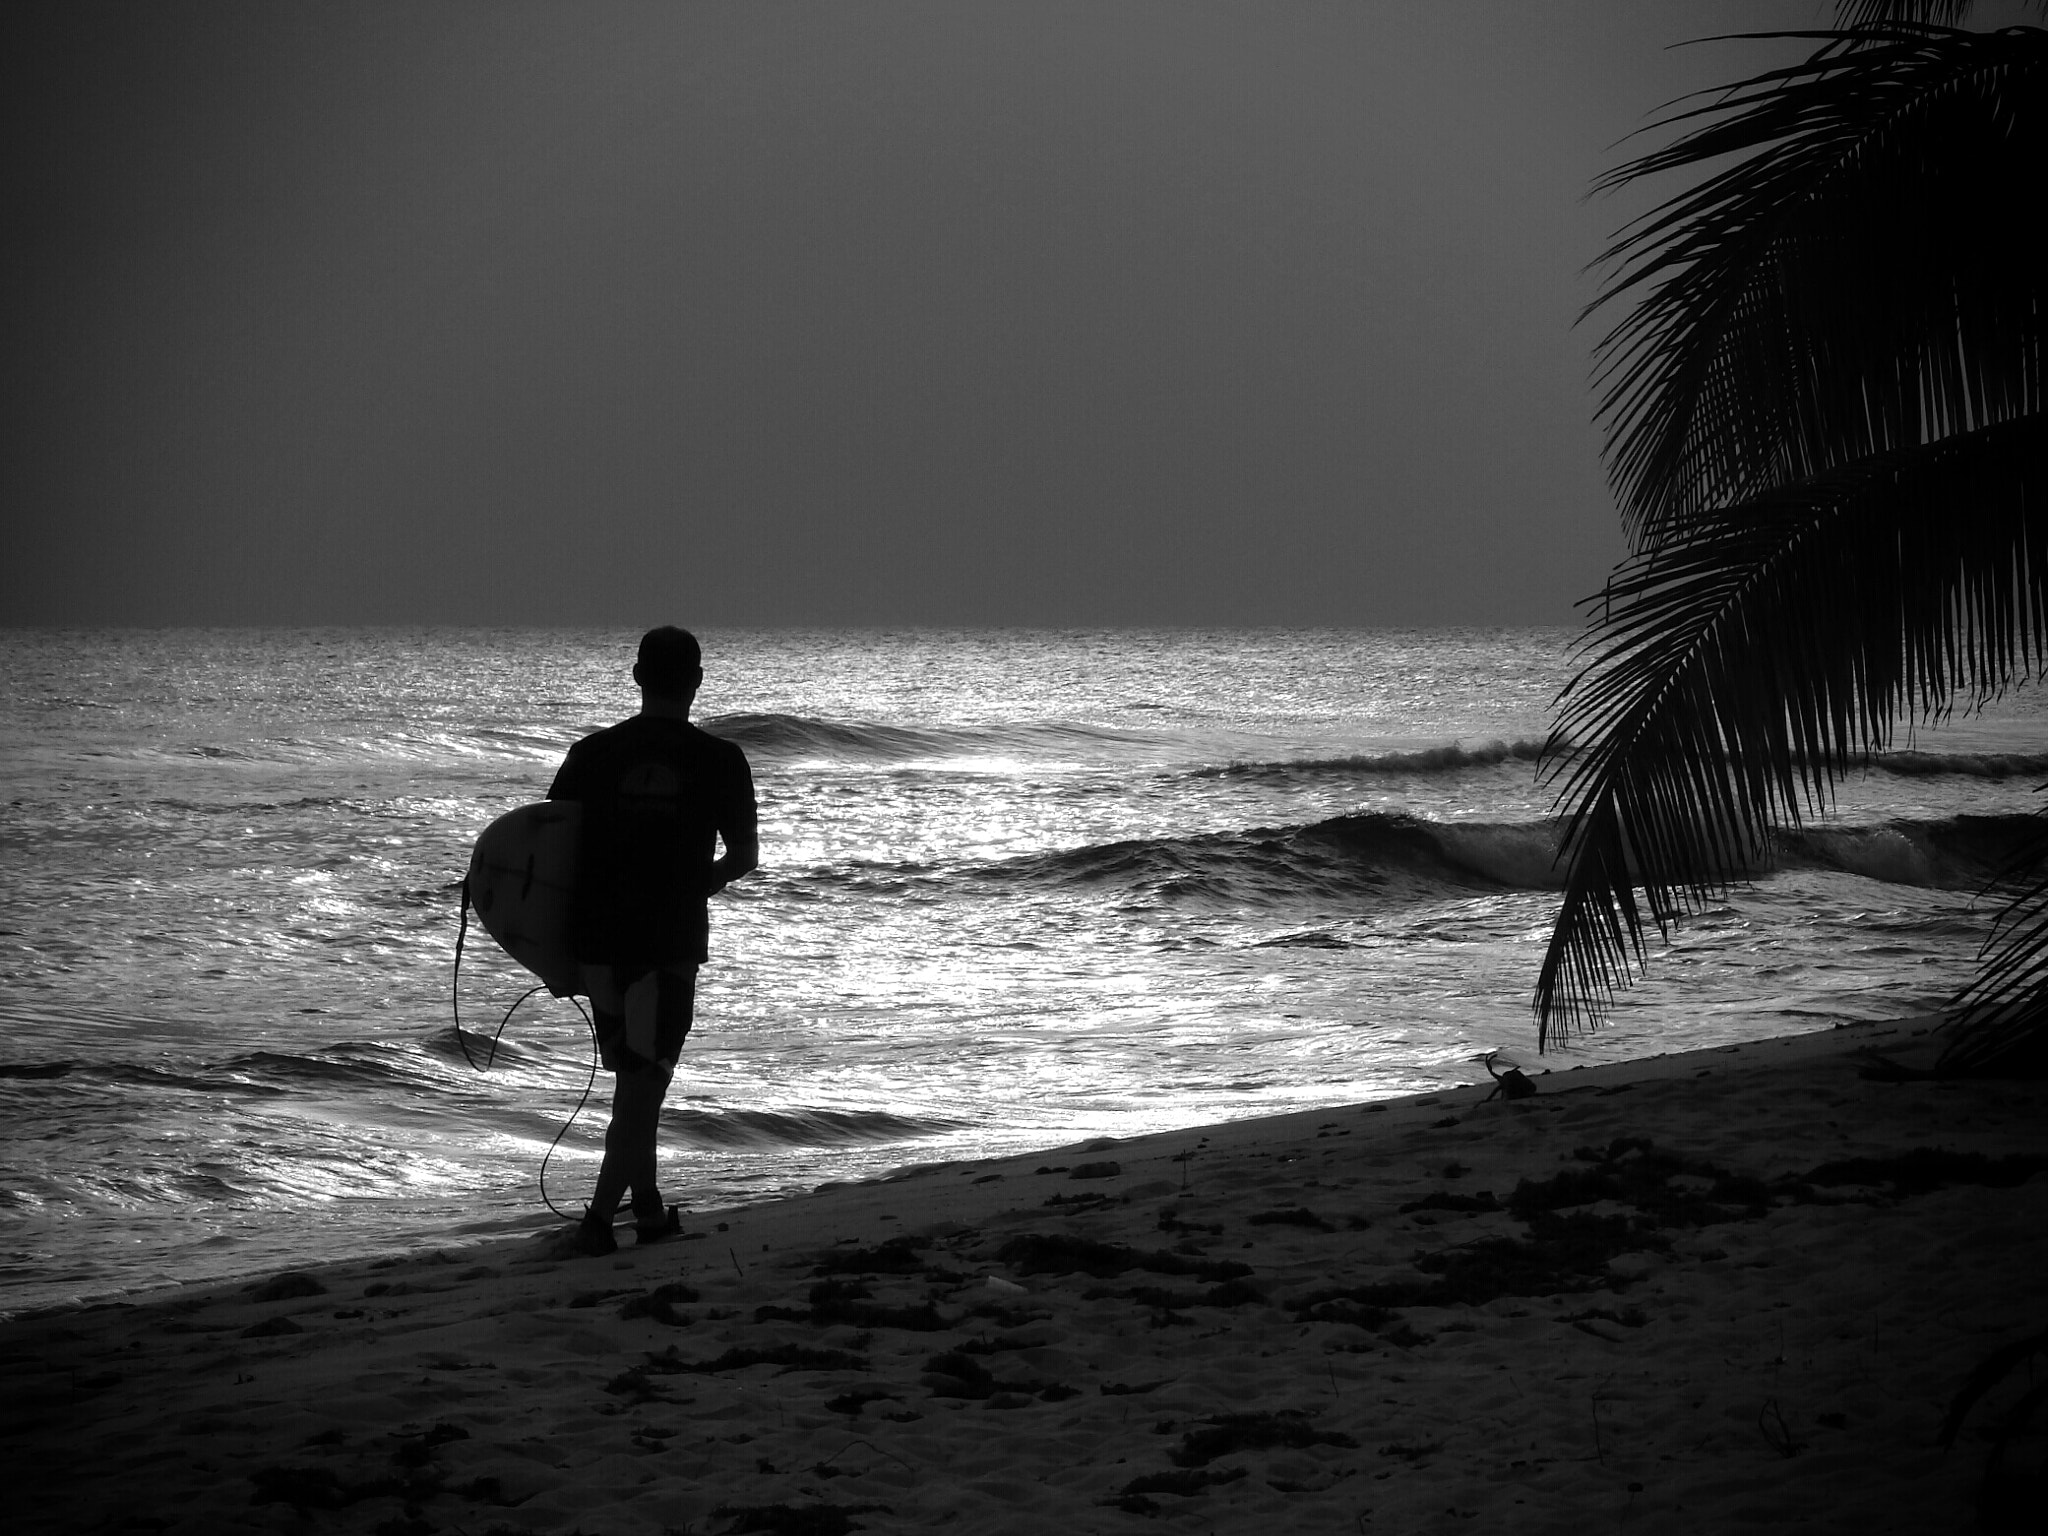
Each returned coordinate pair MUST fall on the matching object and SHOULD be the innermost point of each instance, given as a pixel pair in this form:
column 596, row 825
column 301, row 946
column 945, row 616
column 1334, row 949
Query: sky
column 911, row 312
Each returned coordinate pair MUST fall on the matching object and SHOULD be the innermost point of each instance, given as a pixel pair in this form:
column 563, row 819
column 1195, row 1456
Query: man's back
column 656, row 794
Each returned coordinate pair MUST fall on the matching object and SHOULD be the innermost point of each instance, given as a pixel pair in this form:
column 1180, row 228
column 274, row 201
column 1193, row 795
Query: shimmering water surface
column 1018, row 888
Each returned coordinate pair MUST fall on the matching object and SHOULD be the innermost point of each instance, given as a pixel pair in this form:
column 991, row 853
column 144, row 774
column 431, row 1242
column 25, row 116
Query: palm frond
column 1998, row 1020
column 1881, row 13
column 1877, row 13
column 1744, row 662
column 1863, row 278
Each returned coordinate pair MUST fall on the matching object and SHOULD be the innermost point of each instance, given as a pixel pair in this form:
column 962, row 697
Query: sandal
column 592, row 1238
column 668, row 1224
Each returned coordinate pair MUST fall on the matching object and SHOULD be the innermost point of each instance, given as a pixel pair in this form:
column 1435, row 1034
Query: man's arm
column 566, row 784
column 738, row 829
column 742, row 856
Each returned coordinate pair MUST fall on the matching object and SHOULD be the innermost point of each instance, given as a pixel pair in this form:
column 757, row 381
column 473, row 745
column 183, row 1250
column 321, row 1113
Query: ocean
column 1018, row 889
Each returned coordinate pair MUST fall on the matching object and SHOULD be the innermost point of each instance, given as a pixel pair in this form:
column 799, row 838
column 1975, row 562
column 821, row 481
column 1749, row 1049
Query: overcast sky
column 1034, row 312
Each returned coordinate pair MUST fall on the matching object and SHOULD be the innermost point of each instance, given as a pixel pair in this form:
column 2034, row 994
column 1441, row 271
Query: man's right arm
column 567, row 785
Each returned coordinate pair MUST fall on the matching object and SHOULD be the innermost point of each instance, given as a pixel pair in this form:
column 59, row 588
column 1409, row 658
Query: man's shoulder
column 659, row 733
column 597, row 739
column 724, row 746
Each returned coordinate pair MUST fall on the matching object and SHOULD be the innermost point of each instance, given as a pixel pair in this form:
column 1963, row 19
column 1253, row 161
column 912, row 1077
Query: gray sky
column 955, row 312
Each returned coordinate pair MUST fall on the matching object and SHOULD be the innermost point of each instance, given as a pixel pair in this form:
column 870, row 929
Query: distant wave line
column 1391, row 855
column 1450, row 758
column 784, row 737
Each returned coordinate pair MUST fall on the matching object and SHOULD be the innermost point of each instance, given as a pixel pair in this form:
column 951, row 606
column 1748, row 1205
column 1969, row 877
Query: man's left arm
column 738, row 828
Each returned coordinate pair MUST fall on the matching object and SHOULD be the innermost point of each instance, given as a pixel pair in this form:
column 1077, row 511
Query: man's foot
column 652, row 1229
column 593, row 1238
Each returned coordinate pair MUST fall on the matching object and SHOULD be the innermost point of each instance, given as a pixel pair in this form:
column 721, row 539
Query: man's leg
column 640, row 1043
column 605, row 986
column 660, row 1007
column 629, row 1142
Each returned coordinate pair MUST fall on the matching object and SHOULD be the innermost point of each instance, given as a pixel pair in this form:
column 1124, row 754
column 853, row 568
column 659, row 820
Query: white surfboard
column 522, row 877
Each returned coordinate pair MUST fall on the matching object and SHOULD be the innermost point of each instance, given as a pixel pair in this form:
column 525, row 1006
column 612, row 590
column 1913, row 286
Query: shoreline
column 227, row 1272
column 1326, row 1319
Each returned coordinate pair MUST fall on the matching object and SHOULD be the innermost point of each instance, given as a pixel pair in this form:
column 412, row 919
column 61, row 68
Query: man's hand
column 742, row 856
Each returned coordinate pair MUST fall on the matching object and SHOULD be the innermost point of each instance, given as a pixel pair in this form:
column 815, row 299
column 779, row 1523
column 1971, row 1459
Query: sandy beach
column 1697, row 1292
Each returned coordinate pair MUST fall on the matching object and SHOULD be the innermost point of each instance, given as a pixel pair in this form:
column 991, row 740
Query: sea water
column 1017, row 889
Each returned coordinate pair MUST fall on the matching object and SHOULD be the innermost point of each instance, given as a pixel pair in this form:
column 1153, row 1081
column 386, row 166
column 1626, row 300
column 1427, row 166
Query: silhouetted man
column 658, row 795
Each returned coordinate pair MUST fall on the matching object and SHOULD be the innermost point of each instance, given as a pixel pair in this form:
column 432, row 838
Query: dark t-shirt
column 656, row 794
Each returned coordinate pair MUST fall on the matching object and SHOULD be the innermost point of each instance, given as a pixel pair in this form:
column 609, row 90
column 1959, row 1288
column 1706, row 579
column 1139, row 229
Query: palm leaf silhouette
column 1824, row 421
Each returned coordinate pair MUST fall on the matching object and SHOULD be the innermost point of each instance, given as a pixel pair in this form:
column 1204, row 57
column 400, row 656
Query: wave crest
column 1361, row 856
column 1450, row 758
column 1379, row 855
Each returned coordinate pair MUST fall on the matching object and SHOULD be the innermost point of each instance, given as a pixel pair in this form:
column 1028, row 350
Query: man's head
column 670, row 665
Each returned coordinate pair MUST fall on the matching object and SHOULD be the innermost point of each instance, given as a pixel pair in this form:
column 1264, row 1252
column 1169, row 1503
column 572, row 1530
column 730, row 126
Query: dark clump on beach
column 1232, row 1293
column 1631, row 1171
column 1222, row 1436
column 795, row 1519
column 790, row 1357
column 847, row 1301
column 287, row 1286
column 1232, row 1432
column 1133, row 1499
column 414, row 1477
column 1562, row 1254
column 305, row 1488
column 633, row 1385
column 416, row 1450
column 271, row 1328
column 851, row 1403
column 659, row 1304
column 1925, row 1169
column 1057, row 1254
column 1346, row 1306
column 897, row 1256
column 958, row 1374
column 1298, row 1216
column 1444, row 1200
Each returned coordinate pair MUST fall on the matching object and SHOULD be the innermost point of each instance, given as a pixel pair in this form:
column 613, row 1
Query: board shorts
column 642, row 1013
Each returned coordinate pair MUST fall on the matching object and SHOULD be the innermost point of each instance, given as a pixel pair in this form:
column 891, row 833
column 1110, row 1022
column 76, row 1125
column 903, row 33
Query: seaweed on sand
column 1054, row 1253
column 897, row 1256
column 1231, row 1432
column 791, row 1357
column 795, row 1519
column 848, row 1301
column 1562, row 1255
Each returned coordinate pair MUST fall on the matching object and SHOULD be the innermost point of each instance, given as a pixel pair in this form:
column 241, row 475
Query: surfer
column 658, row 796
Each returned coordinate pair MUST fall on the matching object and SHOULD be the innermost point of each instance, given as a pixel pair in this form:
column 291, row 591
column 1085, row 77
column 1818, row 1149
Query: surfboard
column 522, row 875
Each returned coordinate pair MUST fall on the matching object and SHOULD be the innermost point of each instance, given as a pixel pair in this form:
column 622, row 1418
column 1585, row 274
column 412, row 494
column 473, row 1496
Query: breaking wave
column 1974, row 765
column 1451, row 758
column 1391, row 855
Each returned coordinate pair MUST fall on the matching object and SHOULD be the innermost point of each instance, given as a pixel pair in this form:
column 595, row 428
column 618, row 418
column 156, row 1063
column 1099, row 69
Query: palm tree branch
column 2002, row 1011
column 1873, row 13
column 1857, row 281
column 1743, row 665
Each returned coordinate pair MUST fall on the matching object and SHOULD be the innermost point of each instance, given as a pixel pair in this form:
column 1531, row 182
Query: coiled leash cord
column 462, row 1040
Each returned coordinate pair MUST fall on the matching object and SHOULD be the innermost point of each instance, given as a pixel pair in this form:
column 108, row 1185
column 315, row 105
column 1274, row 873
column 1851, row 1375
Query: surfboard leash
column 588, row 1084
column 455, row 994
column 462, row 1040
